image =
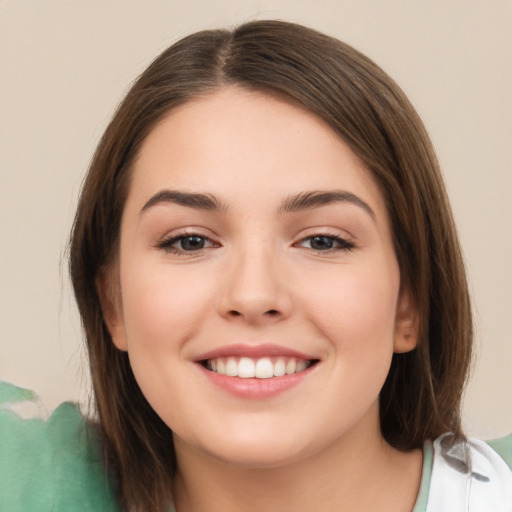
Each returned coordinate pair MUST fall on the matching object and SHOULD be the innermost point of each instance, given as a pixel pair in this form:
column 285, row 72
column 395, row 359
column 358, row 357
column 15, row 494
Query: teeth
column 231, row 367
column 301, row 366
column 280, row 367
column 291, row 365
column 246, row 368
column 263, row 368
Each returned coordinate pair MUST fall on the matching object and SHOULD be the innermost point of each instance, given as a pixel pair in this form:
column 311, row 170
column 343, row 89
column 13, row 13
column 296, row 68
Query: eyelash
column 343, row 244
column 167, row 245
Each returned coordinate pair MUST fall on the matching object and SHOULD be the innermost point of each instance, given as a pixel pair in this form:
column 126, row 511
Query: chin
column 254, row 449
column 258, row 457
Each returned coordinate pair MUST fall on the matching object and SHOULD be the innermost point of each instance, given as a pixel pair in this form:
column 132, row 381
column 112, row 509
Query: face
column 260, row 298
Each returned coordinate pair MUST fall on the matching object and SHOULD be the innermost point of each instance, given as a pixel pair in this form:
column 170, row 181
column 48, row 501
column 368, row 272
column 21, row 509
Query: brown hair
column 421, row 397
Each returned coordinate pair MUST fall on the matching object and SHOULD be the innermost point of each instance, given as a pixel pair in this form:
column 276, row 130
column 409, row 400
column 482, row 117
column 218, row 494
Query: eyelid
column 342, row 241
column 166, row 242
column 345, row 242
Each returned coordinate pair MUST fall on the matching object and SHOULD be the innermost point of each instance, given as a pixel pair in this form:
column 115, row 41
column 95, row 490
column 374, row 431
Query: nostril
column 271, row 313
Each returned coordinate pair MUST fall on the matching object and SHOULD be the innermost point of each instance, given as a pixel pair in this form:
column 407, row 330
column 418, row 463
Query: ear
column 407, row 323
column 109, row 293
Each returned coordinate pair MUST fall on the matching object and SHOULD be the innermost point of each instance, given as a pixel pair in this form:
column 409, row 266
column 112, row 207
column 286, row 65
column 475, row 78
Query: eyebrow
column 316, row 199
column 192, row 200
column 292, row 204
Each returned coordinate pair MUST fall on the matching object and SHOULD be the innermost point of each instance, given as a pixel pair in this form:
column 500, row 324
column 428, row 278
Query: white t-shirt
column 468, row 477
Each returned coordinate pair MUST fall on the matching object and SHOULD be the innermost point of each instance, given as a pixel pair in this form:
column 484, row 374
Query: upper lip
column 254, row 352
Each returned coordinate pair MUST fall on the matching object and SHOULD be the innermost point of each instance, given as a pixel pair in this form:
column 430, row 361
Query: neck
column 359, row 472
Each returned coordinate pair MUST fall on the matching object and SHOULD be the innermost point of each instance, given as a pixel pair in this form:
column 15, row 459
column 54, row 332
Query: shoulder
column 470, row 475
column 50, row 465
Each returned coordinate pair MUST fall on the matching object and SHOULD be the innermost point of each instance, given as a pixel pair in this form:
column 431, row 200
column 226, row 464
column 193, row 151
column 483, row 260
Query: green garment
column 504, row 447
column 55, row 465
column 50, row 466
column 422, row 499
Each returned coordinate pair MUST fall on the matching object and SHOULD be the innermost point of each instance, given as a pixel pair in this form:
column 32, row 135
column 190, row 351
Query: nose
column 255, row 289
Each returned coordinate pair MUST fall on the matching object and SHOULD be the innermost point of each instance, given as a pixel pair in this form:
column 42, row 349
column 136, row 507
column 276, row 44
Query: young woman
column 273, row 296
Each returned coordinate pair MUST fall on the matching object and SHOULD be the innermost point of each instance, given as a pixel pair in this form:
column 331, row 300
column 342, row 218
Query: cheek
column 162, row 308
column 359, row 319
column 162, row 312
column 356, row 304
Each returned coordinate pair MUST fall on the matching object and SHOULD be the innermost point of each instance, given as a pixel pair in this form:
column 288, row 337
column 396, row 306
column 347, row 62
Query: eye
column 325, row 243
column 186, row 243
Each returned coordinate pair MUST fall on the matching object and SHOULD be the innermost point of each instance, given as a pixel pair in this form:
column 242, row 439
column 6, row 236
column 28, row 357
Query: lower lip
column 256, row 388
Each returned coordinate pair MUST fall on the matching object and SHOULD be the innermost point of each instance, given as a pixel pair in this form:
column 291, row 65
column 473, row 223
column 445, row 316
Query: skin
column 261, row 278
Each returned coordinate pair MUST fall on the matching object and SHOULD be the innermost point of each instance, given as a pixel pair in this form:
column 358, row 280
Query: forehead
column 247, row 145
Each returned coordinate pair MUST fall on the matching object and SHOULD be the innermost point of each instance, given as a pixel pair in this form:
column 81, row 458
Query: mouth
column 257, row 368
column 256, row 372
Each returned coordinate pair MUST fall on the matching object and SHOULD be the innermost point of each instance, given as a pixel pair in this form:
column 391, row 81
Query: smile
column 259, row 368
column 256, row 372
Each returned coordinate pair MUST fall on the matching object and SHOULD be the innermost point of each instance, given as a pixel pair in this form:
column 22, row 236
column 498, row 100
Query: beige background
column 64, row 65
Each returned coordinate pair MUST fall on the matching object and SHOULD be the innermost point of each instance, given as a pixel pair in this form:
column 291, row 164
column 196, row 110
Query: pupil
column 192, row 243
column 322, row 242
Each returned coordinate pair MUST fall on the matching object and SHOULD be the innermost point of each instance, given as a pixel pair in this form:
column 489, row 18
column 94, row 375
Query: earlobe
column 109, row 296
column 407, row 324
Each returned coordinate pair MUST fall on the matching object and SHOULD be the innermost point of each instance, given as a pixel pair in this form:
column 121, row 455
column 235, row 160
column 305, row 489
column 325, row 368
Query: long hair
column 421, row 397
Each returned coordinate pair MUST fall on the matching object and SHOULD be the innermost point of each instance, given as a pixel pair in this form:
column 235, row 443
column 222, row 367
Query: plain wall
column 64, row 66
